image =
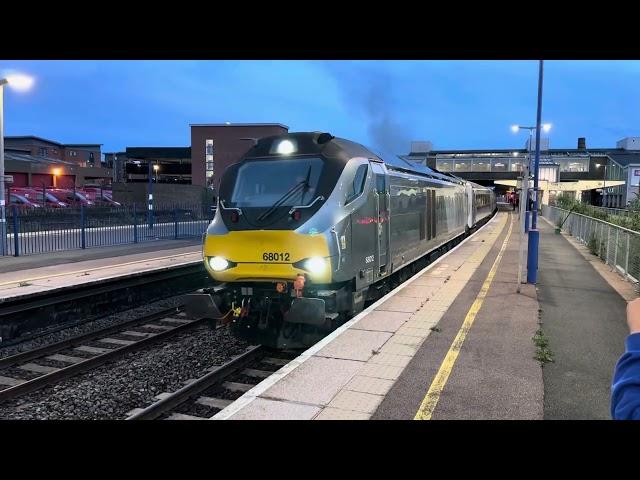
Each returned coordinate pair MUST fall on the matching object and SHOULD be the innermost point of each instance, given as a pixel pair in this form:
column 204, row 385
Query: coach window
column 357, row 186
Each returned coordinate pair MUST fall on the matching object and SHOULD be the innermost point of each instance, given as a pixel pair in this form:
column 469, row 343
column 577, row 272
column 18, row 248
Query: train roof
column 341, row 149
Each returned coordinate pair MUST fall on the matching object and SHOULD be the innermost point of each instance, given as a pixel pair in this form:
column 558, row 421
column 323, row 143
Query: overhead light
column 515, row 128
column 19, row 81
column 285, row 147
column 546, row 127
column 515, row 154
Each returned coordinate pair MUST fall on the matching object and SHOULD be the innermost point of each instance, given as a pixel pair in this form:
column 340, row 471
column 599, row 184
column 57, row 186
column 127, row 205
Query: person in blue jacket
column 625, row 390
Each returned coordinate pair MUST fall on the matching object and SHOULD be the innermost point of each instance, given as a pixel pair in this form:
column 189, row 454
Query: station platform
column 454, row 341
column 34, row 274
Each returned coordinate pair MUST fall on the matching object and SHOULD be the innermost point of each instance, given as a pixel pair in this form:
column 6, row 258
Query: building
column 185, row 174
column 588, row 169
column 36, row 161
column 216, row 146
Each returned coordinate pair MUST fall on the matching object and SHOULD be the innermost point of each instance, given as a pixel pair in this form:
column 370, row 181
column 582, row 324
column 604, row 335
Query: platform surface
column 29, row 275
column 381, row 363
column 583, row 306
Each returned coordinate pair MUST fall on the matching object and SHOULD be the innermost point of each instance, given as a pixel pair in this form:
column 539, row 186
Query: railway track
column 62, row 360
column 204, row 397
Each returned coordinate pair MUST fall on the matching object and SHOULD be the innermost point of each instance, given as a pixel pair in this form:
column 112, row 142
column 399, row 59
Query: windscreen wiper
column 281, row 200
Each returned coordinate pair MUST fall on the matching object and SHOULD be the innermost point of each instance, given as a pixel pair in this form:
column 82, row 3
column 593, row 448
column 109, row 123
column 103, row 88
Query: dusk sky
column 382, row 104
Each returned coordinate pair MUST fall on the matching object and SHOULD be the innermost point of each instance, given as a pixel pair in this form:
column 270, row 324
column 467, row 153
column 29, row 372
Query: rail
column 617, row 246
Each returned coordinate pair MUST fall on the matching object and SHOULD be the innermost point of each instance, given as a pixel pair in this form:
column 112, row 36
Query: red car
column 21, row 201
column 35, row 195
column 105, row 199
column 67, row 196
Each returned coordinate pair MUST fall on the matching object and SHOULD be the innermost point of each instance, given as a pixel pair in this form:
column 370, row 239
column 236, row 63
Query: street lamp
column 156, row 167
column 56, row 173
column 524, row 192
column 20, row 83
column 604, row 180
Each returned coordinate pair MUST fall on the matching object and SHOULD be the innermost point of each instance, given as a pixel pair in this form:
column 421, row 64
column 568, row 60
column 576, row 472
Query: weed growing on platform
column 543, row 354
column 24, row 284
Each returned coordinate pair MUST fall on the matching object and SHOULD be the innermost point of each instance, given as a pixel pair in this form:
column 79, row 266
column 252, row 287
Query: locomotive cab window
column 357, row 186
column 261, row 183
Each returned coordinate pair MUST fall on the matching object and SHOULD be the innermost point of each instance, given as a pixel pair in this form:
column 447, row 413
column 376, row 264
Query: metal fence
column 613, row 211
column 617, row 246
column 42, row 230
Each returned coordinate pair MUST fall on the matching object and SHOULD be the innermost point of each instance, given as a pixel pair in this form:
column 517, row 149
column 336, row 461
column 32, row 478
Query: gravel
column 114, row 389
column 90, row 326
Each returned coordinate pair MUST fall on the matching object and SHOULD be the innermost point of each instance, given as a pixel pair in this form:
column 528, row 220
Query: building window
column 444, row 165
column 73, row 153
column 43, row 151
column 516, row 165
column 91, row 157
column 463, row 165
column 209, row 162
column 500, row 165
column 481, row 165
column 209, row 147
column 573, row 165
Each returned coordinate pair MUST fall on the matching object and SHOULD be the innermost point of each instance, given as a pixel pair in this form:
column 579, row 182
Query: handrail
column 596, row 219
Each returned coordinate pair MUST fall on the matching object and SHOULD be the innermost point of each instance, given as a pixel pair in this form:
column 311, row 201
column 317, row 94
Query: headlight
column 218, row 264
column 316, row 265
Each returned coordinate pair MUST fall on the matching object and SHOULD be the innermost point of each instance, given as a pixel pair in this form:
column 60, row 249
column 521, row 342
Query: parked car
column 104, row 200
column 69, row 196
column 21, row 201
column 35, row 195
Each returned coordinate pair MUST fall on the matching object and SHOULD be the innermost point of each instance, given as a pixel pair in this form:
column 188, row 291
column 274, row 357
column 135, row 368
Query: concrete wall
column 164, row 193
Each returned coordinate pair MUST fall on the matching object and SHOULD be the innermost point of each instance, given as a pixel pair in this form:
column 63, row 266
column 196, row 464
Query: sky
column 384, row 105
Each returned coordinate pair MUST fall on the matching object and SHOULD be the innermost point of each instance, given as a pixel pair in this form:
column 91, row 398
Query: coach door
column 383, row 201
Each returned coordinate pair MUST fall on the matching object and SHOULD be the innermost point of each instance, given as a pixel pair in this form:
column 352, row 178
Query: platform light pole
column 534, row 234
column 524, row 193
column 604, row 180
column 21, row 83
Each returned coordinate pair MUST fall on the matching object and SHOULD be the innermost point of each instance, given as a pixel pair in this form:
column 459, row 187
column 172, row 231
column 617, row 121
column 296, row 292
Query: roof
column 23, row 157
column 23, row 137
column 239, row 125
column 158, row 152
column 624, row 157
column 83, row 144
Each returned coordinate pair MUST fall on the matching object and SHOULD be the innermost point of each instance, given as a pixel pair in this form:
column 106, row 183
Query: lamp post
column 20, row 83
column 604, row 180
column 524, row 192
column 534, row 234
column 150, row 205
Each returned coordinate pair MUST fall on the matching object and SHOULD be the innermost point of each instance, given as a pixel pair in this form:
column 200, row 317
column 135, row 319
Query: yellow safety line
column 432, row 397
column 96, row 268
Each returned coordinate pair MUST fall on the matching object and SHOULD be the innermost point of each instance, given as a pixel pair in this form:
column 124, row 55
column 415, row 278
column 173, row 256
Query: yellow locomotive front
column 274, row 258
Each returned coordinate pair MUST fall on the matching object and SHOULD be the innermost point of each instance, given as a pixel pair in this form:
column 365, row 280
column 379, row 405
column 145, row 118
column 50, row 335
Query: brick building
column 36, row 161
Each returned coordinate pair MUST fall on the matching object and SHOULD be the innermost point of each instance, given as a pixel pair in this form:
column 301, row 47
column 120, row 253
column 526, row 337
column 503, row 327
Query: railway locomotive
column 309, row 227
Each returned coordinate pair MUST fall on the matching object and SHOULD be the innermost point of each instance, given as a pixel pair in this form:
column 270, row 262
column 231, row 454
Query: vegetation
column 543, row 353
column 630, row 221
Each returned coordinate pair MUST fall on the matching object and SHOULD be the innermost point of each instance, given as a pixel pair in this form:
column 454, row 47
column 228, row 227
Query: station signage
column 635, row 177
column 8, row 178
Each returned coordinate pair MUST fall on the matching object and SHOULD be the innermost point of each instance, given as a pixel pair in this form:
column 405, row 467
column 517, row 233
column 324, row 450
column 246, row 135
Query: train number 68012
column 275, row 257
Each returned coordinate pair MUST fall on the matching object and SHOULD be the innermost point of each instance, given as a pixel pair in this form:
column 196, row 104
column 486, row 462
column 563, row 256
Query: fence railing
column 613, row 211
column 617, row 246
column 42, row 230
